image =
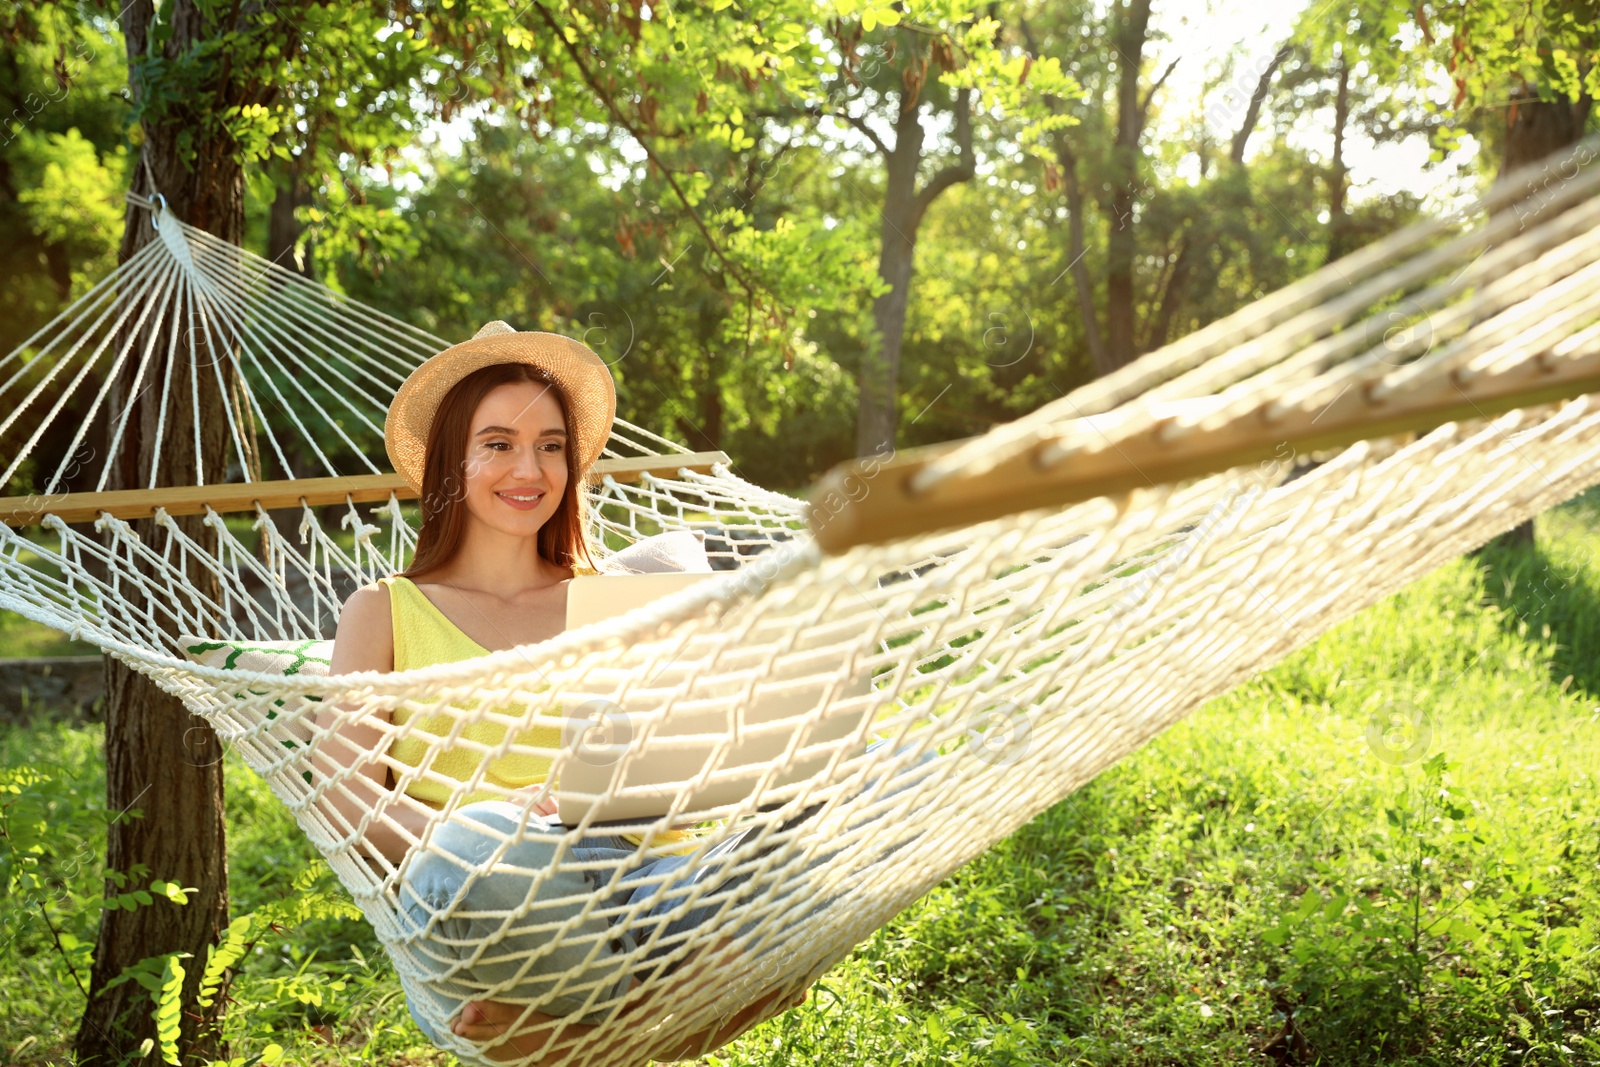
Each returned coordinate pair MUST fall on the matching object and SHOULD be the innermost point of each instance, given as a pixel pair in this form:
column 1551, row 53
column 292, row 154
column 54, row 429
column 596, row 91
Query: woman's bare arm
column 365, row 642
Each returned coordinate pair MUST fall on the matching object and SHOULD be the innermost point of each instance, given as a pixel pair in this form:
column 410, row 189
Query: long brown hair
column 563, row 539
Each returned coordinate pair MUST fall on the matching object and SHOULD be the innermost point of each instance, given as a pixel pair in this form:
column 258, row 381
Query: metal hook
column 155, row 216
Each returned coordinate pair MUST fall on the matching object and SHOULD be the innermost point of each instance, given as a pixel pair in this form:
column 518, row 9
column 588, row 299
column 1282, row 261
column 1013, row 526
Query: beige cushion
column 676, row 550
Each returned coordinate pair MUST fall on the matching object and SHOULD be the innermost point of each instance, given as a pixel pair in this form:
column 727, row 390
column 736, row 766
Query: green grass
column 22, row 638
column 1257, row 885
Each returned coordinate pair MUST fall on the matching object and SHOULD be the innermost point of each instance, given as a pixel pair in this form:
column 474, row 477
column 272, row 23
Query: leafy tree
column 1100, row 163
column 977, row 59
column 1525, row 74
column 505, row 227
column 63, row 166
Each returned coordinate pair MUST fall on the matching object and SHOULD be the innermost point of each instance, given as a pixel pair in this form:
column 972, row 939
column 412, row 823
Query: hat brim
column 583, row 378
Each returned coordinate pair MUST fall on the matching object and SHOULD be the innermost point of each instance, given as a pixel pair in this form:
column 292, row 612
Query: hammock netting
column 955, row 683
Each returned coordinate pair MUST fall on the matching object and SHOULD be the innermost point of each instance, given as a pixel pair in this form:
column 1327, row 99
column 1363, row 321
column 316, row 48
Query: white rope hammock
column 1012, row 654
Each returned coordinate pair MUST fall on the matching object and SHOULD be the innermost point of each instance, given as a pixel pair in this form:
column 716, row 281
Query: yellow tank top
column 423, row 636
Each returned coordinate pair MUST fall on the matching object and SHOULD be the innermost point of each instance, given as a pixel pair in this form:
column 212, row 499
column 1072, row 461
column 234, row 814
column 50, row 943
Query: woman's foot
column 536, row 1037
column 484, row 1021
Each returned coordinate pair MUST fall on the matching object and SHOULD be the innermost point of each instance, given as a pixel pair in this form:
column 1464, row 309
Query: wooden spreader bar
column 863, row 502
column 289, row 492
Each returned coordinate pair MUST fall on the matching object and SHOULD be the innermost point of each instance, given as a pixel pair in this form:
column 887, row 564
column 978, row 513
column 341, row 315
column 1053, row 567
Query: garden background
column 802, row 232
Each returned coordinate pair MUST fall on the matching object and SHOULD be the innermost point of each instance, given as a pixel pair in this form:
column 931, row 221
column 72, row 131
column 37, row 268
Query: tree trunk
column 60, row 267
column 706, row 435
column 160, row 760
column 1176, row 289
column 1132, row 21
column 880, row 378
column 283, row 229
column 880, row 371
column 903, row 209
column 1252, row 113
column 1338, row 173
column 1536, row 129
column 1073, row 185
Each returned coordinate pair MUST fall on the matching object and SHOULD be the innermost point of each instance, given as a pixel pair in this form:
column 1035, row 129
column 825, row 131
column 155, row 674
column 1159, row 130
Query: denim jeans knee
column 508, row 921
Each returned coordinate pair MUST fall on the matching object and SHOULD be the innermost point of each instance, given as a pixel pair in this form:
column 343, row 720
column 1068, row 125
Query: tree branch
column 961, row 171
column 861, row 124
column 1252, row 114
column 1144, row 105
column 753, row 184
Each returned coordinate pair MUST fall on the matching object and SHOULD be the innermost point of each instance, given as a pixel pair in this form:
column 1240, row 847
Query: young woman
column 497, row 435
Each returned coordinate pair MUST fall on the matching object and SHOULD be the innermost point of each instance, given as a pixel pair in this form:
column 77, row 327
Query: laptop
column 723, row 738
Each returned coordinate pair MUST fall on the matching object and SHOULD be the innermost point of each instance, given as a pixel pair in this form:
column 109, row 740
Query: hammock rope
column 981, row 672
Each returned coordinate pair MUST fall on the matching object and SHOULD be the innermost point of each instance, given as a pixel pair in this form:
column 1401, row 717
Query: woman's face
column 516, row 461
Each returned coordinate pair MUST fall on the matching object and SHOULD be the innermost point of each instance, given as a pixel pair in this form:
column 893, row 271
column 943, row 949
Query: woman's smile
column 521, row 499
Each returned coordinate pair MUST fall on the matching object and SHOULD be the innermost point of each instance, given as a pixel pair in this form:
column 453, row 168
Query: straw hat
column 582, row 376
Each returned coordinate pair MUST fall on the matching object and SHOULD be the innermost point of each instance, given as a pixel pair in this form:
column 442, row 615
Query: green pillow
column 306, row 656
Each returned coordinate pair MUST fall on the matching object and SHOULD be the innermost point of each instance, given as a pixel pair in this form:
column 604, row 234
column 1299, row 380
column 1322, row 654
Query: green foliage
column 68, row 194
column 51, row 828
column 63, row 161
column 715, row 238
column 224, row 956
column 162, row 977
column 1483, row 54
column 1496, row 46
column 1445, row 921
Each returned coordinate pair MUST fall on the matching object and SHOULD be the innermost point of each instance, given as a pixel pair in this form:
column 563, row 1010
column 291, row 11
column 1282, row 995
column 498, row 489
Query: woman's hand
column 546, row 806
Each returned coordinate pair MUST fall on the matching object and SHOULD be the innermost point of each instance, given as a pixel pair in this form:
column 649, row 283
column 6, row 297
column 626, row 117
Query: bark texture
column 160, row 760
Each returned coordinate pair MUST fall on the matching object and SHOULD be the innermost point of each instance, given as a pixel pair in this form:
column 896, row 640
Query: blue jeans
column 554, row 952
